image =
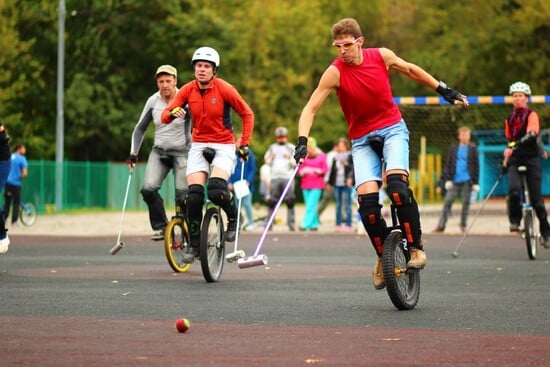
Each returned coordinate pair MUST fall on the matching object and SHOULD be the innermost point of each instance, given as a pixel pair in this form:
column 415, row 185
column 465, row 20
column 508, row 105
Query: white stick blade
column 251, row 261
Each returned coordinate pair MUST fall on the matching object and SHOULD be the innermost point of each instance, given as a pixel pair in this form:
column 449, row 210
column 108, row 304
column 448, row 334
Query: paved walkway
column 492, row 220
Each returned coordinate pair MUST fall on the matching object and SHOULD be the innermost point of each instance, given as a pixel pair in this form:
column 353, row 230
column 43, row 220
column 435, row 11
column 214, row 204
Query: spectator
column 281, row 163
column 460, row 176
column 249, row 175
column 328, row 191
column 341, row 180
column 12, row 192
column 312, row 171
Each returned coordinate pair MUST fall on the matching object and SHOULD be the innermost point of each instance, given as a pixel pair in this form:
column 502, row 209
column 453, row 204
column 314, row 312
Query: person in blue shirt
column 459, row 177
column 249, row 174
column 5, row 163
column 12, row 191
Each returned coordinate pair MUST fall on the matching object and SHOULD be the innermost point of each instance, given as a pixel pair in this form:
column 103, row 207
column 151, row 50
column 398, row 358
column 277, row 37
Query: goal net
column 433, row 125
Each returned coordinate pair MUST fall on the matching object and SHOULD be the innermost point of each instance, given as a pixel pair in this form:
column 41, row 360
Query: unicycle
column 212, row 243
column 530, row 232
column 402, row 284
column 176, row 240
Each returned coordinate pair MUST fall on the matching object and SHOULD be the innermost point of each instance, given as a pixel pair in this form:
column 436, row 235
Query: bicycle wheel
column 530, row 234
column 212, row 247
column 176, row 240
column 403, row 285
column 27, row 214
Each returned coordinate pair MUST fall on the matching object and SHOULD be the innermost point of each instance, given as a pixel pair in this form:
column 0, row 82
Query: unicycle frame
column 530, row 231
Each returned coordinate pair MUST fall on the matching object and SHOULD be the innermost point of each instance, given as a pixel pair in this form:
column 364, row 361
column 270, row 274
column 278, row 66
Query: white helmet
column 520, row 87
column 206, row 54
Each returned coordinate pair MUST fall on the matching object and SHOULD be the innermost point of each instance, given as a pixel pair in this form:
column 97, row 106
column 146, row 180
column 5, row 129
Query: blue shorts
column 367, row 166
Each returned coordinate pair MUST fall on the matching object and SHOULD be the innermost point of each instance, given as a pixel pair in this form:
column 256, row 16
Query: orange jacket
column 211, row 112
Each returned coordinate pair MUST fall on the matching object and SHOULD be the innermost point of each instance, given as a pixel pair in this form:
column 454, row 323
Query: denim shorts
column 224, row 159
column 367, row 166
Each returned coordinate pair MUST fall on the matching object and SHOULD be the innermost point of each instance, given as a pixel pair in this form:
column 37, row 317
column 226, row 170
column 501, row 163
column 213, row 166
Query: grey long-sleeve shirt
column 176, row 135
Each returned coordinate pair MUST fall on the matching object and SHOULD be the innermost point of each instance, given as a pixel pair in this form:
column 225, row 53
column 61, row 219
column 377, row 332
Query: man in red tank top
column 360, row 78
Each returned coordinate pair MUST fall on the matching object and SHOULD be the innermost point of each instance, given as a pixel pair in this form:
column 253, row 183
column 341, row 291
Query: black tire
column 212, row 246
column 403, row 285
column 176, row 240
column 27, row 214
column 530, row 234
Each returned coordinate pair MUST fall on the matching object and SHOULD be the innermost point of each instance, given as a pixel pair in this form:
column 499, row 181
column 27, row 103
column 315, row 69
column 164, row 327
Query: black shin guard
column 373, row 221
column 407, row 208
column 194, row 202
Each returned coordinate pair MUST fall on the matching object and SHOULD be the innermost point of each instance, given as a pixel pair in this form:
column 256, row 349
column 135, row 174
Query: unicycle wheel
column 212, row 246
column 27, row 214
column 176, row 240
column 530, row 234
column 402, row 284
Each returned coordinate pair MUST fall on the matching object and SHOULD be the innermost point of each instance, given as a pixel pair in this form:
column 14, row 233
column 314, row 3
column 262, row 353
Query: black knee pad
column 219, row 194
column 217, row 191
column 150, row 196
column 398, row 189
column 373, row 221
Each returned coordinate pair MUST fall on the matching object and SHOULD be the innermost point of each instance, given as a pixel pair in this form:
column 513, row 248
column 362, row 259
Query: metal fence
column 88, row 185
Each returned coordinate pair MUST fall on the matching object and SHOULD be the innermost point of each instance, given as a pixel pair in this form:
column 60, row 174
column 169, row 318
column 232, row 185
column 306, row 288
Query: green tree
column 19, row 77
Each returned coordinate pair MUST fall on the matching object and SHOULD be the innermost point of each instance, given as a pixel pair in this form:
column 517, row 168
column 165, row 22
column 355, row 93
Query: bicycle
column 530, row 231
column 211, row 245
column 402, row 283
column 27, row 213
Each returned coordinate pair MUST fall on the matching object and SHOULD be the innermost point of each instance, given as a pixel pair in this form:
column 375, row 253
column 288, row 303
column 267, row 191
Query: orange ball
column 182, row 325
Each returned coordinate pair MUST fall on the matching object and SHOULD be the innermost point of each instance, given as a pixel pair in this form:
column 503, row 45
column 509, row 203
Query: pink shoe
column 338, row 228
column 348, row 228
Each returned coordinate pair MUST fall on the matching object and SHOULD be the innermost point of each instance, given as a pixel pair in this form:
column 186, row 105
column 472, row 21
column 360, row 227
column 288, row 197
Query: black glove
column 132, row 159
column 527, row 137
column 301, row 149
column 243, row 152
column 504, row 168
column 449, row 94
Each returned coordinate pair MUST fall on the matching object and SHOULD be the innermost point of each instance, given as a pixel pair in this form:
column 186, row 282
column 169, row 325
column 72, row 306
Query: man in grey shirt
column 170, row 149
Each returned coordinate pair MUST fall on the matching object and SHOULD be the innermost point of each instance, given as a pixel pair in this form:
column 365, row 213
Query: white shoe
column 4, row 244
column 250, row 227
column 158, row 235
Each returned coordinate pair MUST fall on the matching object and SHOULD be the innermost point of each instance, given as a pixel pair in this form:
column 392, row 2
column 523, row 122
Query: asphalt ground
column 65, row 301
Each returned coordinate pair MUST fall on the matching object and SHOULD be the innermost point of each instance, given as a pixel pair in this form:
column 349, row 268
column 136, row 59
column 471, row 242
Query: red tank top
column 365, row 94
